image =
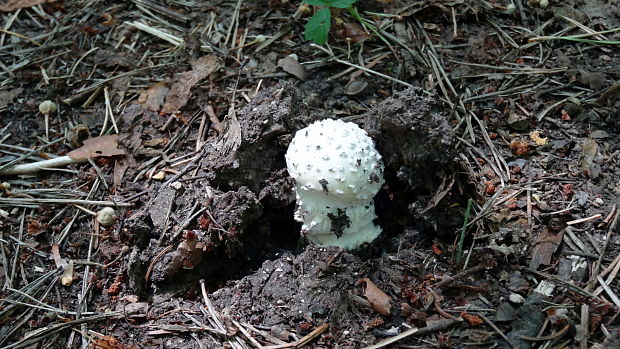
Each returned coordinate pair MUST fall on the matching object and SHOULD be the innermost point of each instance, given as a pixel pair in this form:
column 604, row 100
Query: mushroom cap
column 106, row 216
column 336, row 158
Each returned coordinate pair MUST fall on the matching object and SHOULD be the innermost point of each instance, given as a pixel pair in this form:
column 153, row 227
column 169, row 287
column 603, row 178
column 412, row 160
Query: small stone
column 516, row 298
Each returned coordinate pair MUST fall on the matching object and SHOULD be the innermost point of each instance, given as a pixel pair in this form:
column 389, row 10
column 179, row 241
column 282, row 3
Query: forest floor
column 498, row 123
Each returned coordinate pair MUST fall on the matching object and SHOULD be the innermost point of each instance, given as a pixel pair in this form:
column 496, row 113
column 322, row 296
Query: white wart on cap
column 338, row 172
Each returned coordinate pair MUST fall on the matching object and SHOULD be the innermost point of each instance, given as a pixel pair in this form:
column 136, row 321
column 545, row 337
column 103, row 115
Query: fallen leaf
column 96, row 147
column 153, row 97
column 7, row 97
column 180, row 92
column 379, row 300
column 545, row 246
column 290, row 65
column 12, row 5
column 355, row 32
column 108, row 342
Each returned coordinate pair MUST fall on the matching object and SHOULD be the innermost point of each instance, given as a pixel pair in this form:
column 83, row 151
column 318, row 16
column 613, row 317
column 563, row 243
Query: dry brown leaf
column 96, row 147
column 153, row 97
column 381, row 302
column 290, row 65
column 545, row 246
column 108, row 342
column 354, row 32
column 180, row 92
column 12, row 5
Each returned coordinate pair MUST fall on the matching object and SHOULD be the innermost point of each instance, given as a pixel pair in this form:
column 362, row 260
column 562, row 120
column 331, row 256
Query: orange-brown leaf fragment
column 35, row 227
column 473, row 320
column 108, row 342
column 96, row 147
column 380, row 301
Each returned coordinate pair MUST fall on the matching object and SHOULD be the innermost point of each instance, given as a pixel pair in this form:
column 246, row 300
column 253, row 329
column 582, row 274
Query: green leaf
column 340, row 3
column 316, row 2
column 331, row 3
column 317, row 27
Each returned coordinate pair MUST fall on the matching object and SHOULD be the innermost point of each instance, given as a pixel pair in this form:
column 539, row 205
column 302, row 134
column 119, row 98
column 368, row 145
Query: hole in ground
column 267, row 238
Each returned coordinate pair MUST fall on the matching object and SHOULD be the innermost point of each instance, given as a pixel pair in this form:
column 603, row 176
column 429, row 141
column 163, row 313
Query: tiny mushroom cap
column 337, row 171
column 47, row 107
column 106, row 216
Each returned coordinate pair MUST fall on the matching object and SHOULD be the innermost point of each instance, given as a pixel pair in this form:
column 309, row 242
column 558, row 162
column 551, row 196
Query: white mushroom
column 338, row 172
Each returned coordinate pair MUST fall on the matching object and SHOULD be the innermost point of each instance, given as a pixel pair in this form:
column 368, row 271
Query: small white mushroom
column 106, row 216
column 335, row 202
column 47, row 108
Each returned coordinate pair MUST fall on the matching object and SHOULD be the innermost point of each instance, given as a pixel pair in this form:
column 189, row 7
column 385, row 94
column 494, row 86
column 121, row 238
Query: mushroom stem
column 47, row 127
